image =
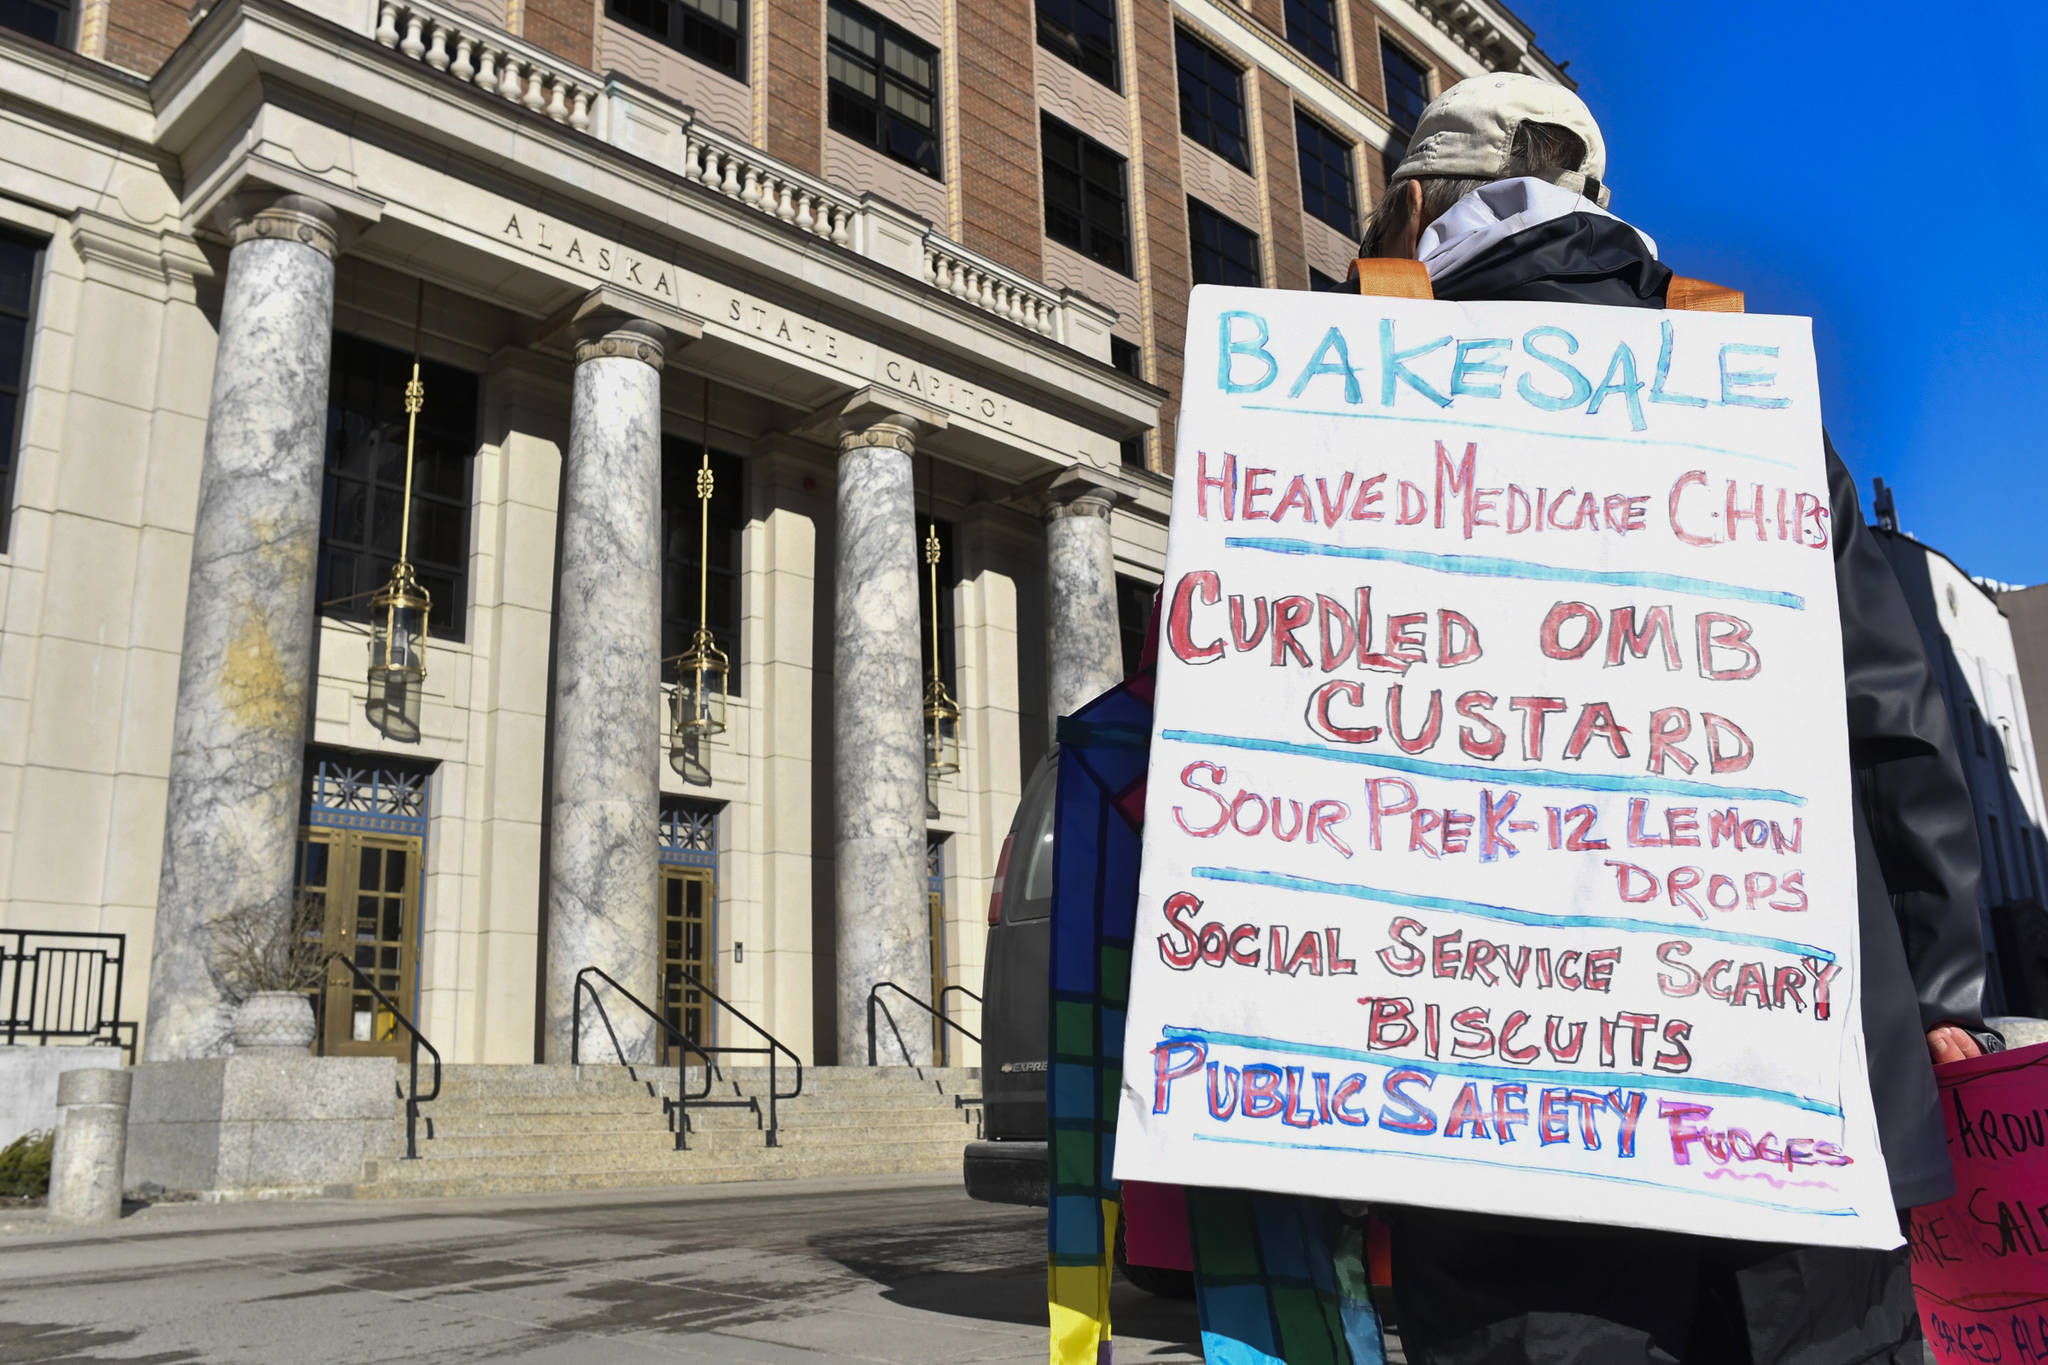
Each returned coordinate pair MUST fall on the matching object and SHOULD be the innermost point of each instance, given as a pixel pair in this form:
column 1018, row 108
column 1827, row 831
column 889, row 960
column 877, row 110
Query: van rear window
column 1031, row 857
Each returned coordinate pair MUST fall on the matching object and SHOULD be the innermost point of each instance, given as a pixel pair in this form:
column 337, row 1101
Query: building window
column 47, row 20
column 1321, row 283
column 884, row 86
column 1086, row 206
column 1129, row 357
column 1407, row 85
column 1224, row 253
column 712, row 31
column 1082, row 32
column 688, row 841
column 1211, row 99
column 680, row 517
column 1327, row 188
column 1312, row 29
column 361, row 503
column 949, row 578
column 1133, row 618
column 19, row 259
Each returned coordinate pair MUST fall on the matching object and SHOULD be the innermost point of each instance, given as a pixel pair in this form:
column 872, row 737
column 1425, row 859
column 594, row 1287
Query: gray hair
column 1543, row 150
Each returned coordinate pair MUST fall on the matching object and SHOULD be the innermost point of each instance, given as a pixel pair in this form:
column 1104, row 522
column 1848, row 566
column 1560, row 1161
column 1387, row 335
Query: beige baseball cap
column 1469, row 130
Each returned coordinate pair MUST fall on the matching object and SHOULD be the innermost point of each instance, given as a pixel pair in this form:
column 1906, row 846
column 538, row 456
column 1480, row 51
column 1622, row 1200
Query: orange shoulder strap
column 1387, row 277
column 1698, row 296
column 1391, row 278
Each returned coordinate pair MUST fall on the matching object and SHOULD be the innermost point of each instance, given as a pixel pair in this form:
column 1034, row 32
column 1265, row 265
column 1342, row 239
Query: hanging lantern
column 398, row 610
column 696, row 708
column 941, row 713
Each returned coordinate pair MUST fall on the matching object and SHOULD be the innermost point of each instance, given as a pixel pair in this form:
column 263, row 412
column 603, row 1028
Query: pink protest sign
column 1980, row 1258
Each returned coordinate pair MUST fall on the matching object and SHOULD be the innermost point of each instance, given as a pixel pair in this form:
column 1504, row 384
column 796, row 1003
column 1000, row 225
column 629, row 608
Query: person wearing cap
column 1503, row 194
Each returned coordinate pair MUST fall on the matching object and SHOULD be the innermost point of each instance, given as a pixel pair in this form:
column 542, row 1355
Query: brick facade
column 1283, row 184
column 1367, row 77
column 567, row 28
column 795, row 78
column 142, row 33
column 1153, row 83
column 1000, row 211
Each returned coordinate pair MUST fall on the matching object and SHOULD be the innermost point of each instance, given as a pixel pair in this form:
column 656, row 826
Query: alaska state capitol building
column 738, row 325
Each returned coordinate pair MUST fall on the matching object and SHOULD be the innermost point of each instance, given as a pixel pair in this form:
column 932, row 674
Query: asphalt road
column 886, row 1269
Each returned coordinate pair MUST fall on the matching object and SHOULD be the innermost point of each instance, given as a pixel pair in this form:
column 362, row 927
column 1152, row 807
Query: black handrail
column 875, row 1003
column 411, row 1095
column 775, row 1046
column 684, row 1047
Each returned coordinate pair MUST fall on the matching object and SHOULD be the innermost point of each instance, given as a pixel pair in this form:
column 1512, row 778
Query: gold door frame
column 683, row 1005
column 332, row 865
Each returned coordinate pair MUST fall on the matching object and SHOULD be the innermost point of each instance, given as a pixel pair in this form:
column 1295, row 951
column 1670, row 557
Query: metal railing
column 775, row 1047
column 61, row 984
column 875, row 1003
column 679, row 1109
column 411, row 1093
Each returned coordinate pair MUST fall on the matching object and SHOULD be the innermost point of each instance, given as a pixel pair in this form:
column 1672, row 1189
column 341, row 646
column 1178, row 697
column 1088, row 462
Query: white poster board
column 1498, row 847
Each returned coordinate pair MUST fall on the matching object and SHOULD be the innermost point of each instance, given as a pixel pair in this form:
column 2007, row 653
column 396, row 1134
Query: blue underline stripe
column 1452, row 420
column 1603, row 1080
column 1505, row 777
column 1492, row 566
column 1413, row 900
column 1463, row 1160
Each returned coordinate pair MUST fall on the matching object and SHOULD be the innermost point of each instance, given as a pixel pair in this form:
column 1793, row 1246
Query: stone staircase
column 532, row 1129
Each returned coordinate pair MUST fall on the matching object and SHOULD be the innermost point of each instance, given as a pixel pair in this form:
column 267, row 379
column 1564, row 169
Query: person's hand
column 1951, row 1044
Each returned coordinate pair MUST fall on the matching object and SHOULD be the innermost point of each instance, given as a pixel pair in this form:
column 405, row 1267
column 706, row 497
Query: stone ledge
column 260, row 1126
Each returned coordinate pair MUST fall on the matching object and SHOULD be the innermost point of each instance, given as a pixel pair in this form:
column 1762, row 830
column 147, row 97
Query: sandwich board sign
column 1498, row 831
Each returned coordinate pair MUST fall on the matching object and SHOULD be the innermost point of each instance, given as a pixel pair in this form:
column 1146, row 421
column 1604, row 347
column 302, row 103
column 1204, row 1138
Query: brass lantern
column 398, row 610
column 697, row 706
column 941, row 712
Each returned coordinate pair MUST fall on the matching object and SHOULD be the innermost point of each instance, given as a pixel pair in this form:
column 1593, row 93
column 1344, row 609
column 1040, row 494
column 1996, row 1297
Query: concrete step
column 659, row 1138
column 437, row 1186
column 656, row 1163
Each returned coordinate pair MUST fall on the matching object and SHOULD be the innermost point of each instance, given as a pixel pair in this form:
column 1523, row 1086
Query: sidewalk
column 884, row 1269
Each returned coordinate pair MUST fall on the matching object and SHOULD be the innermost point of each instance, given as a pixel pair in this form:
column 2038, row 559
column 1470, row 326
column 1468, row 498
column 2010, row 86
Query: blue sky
column 1883, row 170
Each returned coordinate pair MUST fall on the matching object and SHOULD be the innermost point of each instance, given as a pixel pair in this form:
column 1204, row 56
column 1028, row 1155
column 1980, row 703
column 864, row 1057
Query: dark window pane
column 1083, row 32
column 1086, row 205
column 19, row 259
column 1133, row 618
column 1312, row 28
column 712, row 31
column 1321, row 283
column 45, row 20
column 883, row 86
column 360, row 516
column 1327, row 189
column 1223, row 252
column 1407, row 84
column 681, row 536
column 1127, row 356
column 1211, row 99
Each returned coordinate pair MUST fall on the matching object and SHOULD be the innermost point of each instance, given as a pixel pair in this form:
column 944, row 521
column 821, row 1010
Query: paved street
column 896, row 1269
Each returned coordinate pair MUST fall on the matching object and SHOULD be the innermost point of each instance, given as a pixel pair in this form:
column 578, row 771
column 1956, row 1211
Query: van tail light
column 995, row 895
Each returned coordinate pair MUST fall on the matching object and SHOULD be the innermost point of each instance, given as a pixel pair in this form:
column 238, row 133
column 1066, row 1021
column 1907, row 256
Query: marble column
column 882, row 925
column 1084, row 648
column 606, row 752
column 239, row 731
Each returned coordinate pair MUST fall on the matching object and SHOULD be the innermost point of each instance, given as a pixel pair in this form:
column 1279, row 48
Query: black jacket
column 1917, row 862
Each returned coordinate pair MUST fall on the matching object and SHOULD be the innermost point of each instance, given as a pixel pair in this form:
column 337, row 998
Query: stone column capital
column 600, row 335
column 286, row 217
column 875, row 417
column 1079, row 493
column 896, row 431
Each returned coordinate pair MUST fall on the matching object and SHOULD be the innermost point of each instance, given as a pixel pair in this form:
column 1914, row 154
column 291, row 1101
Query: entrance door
column 367, row 886
column 935, row 910
column 686, row 901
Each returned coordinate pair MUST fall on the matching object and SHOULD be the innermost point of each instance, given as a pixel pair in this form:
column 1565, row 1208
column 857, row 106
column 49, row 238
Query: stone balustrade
column 968, row 275
column 648, row 124
column 760, row 182
column 450, row 41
